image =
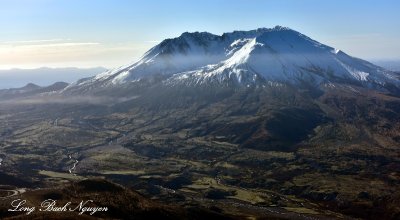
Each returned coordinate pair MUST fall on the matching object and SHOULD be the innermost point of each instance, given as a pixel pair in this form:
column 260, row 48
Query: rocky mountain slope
column 30, row 90
column 246, row 58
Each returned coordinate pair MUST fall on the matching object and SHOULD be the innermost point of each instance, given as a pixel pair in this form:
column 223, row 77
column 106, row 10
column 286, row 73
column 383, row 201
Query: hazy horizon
column 16, row 78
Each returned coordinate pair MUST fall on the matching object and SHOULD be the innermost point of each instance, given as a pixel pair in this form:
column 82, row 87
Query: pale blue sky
column 110, row 33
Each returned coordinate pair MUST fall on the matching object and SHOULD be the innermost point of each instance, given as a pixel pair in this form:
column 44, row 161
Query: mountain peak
column 281, row 28
column 30, row 86
column 197, row 34
column 277, row 54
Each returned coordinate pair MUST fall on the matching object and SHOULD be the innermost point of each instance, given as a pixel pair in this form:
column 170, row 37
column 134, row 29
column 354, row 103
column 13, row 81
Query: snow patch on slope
column 358, row 75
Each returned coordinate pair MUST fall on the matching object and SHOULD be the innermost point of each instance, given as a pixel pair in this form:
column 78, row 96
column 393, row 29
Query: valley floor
column 207, row 160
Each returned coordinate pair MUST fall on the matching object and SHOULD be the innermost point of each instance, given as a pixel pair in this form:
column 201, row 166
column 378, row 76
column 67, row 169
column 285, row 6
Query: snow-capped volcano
column 278, row 54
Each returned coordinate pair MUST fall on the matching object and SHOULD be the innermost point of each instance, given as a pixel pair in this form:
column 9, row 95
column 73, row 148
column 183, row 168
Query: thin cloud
column 46, row 43
column 57, row 99
column 153, row 41
column 72, row 44
column 34, row 41
column 54, row 53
